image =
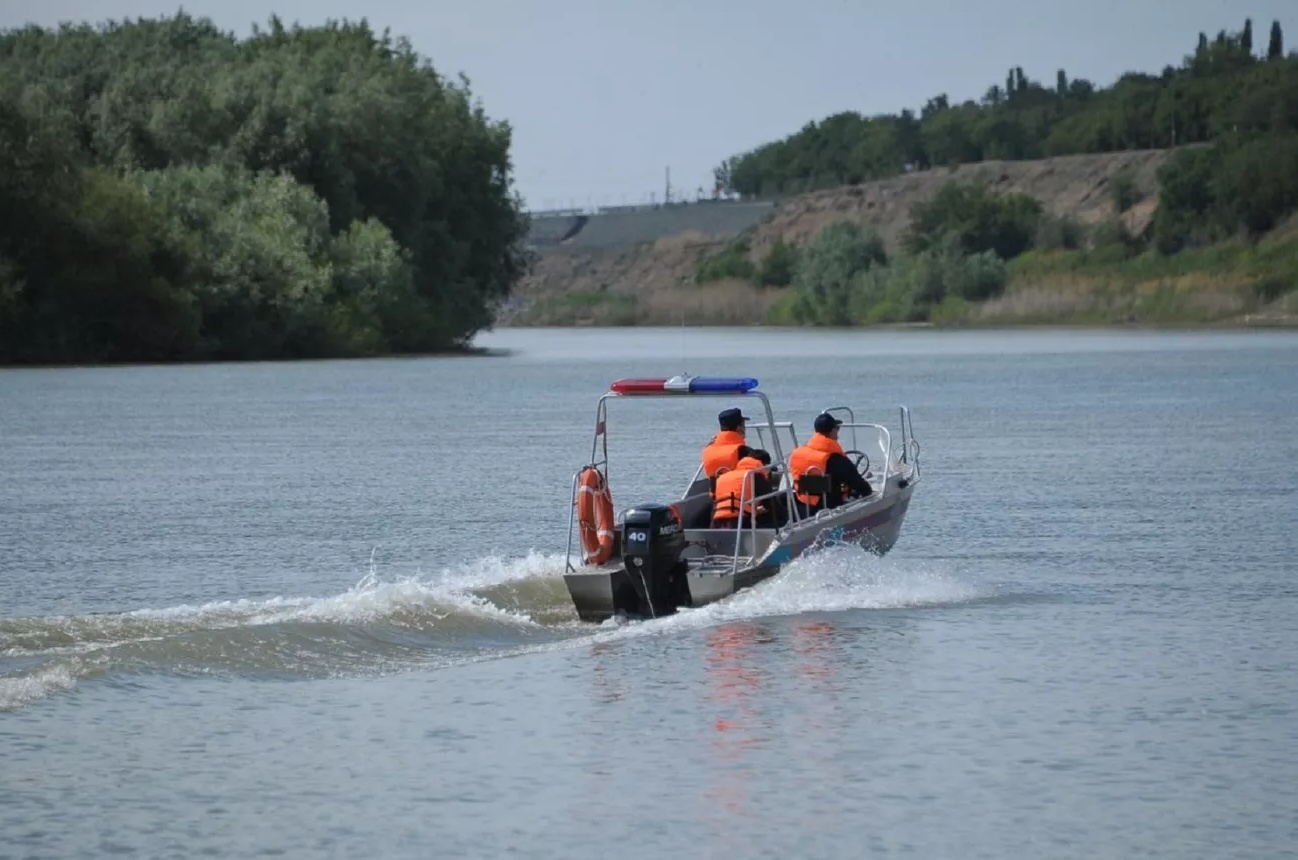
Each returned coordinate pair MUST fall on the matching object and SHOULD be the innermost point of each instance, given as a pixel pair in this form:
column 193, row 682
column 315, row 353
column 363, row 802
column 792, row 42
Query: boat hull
column 601, row 592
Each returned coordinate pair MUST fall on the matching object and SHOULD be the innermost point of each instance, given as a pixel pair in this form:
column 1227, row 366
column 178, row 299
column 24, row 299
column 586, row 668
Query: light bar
column 639, row 386
column 685, row 385
column 722, row 384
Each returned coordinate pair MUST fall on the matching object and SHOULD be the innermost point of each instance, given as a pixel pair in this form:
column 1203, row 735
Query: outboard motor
column 653, row 540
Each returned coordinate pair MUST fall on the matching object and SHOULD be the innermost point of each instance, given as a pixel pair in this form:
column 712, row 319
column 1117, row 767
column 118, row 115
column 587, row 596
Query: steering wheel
column 861, row 456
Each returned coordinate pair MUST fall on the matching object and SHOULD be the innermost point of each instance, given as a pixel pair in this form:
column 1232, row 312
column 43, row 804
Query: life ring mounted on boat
column 594, row 516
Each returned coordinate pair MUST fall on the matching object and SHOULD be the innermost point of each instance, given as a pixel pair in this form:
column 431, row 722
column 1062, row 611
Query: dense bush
column 1245, row 184
column 775, row 269
column 981, row 220
column 732, row 262
column 175, row 193
column 779, row 265
column 844, row 278
column 825, row 278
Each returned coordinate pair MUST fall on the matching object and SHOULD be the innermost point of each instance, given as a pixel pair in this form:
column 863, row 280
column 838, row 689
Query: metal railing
column 572, row 519
column 907, row 454
column 746, row 488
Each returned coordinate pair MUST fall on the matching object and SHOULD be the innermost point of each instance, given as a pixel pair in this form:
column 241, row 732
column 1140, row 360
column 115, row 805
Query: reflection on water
column 609, row 686
column 735, row 683
column 813, row 642
column 819, row 651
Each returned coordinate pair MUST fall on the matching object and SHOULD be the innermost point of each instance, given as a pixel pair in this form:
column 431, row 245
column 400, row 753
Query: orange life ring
column 595, row 516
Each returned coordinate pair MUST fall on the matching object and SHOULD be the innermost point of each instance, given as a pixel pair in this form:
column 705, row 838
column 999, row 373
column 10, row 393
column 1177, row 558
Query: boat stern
column 595, row 591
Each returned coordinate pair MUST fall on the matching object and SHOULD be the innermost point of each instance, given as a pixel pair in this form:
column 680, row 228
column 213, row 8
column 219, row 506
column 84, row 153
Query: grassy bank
column 723, row 303
column 1231, row 282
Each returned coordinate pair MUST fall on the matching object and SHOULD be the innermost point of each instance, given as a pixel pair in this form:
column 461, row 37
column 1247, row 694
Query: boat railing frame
column 907, row 454
column 746, row 488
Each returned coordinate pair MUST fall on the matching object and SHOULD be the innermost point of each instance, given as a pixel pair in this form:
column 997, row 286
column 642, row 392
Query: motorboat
column 650, row 560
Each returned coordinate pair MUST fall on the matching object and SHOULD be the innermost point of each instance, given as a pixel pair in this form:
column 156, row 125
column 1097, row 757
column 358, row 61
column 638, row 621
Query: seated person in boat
column 729, row 445
column 739, row 491
column 823, row 455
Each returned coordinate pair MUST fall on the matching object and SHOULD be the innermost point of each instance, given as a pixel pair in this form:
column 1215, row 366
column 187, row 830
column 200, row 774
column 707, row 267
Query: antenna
column 682, row 337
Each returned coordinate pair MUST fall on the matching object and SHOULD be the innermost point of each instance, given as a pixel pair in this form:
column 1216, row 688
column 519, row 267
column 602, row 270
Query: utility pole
column 667, row 197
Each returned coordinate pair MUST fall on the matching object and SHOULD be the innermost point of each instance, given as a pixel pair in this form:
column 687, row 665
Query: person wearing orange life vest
column 824, row 456
column 726, row 448
column 736, row 492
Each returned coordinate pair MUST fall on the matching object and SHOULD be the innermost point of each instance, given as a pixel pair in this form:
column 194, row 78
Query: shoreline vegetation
column 1232, row 284
column 174, row 193
column 1209, row 237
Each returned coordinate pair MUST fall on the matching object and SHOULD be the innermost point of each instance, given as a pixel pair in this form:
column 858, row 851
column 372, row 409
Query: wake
column 487, row 609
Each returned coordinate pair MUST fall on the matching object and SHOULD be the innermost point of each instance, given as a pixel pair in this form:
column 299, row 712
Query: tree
column 309, row 191
column 721, row 175
column 982, row 220
column 826, row 269
column 1275, row 47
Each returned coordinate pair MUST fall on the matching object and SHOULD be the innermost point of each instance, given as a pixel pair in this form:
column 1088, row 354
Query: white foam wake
column 493, row 590
column 835, row 579
column 447, row 599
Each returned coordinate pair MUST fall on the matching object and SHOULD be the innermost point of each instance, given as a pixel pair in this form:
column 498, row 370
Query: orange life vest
column 722, row 452
column 814, row 454
column 726, row 497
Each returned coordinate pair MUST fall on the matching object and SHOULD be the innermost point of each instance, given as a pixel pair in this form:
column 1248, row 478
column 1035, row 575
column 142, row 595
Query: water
column 314, row 609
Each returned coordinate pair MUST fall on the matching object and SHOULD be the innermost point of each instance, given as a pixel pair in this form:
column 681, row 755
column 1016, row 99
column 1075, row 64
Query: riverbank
column 1231, row 287
column 1233, row 283
column 653, row 278
column 1089, row 263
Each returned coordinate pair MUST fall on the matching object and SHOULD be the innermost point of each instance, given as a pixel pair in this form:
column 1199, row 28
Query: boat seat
column 816, row 484
column 696, row 507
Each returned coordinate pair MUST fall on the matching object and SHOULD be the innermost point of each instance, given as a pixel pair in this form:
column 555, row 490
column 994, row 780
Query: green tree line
column 170, row 192
column 1225, row 90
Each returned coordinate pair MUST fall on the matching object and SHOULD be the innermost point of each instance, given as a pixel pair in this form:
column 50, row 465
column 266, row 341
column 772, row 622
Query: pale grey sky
column 604, row 95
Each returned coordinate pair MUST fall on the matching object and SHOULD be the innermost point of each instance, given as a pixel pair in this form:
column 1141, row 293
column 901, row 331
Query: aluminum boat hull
column 604, row 591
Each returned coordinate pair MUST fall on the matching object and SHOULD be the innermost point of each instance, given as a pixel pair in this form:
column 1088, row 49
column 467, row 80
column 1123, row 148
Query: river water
column 314, row 609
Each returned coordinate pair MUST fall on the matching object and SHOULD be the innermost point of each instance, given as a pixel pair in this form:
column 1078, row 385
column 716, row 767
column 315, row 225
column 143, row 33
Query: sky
column 605, row 96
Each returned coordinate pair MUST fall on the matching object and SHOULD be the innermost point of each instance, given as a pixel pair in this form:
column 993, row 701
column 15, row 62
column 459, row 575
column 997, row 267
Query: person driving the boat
column 729, row 446
column 823, row 455
column 735, row 492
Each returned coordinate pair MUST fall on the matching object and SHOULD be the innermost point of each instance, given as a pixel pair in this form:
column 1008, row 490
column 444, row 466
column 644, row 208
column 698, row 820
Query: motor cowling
column 653, row 541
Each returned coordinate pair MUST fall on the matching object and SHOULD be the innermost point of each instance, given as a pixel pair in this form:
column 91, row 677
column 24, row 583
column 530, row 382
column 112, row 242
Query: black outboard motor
column 653, row 540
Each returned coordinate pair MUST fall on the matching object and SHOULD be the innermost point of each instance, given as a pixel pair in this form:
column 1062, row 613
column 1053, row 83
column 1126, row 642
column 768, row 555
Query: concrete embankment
column 633, row 227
